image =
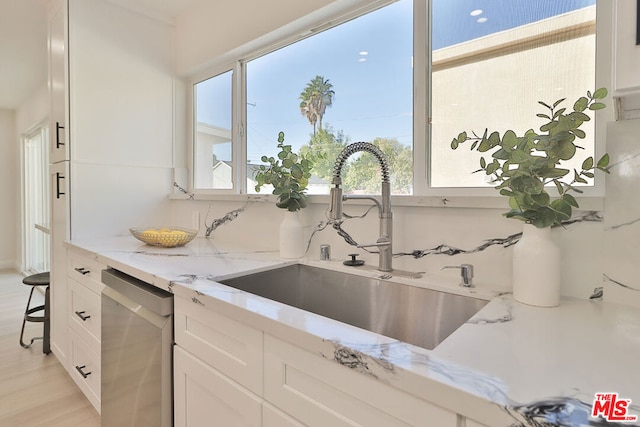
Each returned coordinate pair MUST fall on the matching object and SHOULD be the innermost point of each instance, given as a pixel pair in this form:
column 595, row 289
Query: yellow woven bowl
column 166, row 237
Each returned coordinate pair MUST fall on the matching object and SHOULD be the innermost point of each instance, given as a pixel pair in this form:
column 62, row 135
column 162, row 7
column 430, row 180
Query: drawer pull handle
column 59, row 193
column 82, row 270
column 81, row 315
column 58, row 142
column 83, row 373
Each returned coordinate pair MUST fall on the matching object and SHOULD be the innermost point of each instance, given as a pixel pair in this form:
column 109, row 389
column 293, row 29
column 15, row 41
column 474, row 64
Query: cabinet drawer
column 225, row 344
column 319, row 392
column 84, row 368
column 274, row 417
column 84, row 312
column 205, row 397
column 471, row 423
column 85, row 270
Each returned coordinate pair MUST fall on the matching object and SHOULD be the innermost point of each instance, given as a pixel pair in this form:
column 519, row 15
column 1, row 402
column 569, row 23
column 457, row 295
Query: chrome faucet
column 383, row 243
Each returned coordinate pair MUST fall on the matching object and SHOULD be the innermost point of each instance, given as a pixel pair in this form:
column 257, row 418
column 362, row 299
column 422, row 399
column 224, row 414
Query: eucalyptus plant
column 289, row 174
column 523, row 166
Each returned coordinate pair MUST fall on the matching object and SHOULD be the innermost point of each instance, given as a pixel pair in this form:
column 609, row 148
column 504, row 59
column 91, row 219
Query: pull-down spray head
column 335, row 210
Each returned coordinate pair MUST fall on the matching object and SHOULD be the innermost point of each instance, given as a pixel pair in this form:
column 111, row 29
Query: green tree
column 326, row 145
column 364, row 171
column 314, row 100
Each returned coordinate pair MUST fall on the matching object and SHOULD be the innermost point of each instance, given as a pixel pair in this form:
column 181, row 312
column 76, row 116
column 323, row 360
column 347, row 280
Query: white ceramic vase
column 291, row 236
column 536, row 268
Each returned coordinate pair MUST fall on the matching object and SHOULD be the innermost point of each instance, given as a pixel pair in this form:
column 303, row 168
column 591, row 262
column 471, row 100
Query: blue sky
column 357, row 58
column 369, row 63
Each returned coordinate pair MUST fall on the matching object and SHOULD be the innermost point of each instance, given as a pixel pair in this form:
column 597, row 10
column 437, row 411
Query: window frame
column 423, row 193
column 36, row 203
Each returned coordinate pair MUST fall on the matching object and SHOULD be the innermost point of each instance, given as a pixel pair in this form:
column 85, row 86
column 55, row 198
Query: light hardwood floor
column 35, row 390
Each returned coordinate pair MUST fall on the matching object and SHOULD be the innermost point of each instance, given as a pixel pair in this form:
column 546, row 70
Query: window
column 213, row 152
column 36, row 200
column 332, row 89
column 469, row 67
column 491, row 66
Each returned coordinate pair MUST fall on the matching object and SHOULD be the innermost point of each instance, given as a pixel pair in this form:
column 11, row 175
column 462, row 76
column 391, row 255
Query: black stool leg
column 46, row 344
column 29, row 317
column 24, row 321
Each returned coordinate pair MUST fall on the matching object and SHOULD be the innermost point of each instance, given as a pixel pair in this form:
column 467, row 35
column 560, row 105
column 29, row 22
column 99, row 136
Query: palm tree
column 314, row 100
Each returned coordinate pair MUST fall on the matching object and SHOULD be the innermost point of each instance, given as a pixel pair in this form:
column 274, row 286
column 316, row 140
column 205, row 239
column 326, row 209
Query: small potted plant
column 527, row 169
column 289, row 175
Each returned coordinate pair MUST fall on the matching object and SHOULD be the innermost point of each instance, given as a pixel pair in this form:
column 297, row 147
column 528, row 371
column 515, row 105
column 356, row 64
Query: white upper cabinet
column 120, row 104
column 121, row 86
column 626, row 51
column 58, row 144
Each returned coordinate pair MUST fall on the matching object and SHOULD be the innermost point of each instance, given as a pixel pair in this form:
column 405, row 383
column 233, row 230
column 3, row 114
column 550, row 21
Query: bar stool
column 40, row 279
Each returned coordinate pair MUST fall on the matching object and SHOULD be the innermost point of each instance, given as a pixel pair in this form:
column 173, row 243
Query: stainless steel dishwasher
column 137, row 339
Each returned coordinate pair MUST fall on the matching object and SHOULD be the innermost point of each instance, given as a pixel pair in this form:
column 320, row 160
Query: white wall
column 14, row 123
column 34, row 111
column 10, row 183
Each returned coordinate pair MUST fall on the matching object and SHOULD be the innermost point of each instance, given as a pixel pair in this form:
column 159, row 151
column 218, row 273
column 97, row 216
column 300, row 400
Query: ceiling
column 23, row 42
column 164, row 10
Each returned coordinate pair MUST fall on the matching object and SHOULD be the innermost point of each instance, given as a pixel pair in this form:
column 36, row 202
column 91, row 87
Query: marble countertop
column 509, row 365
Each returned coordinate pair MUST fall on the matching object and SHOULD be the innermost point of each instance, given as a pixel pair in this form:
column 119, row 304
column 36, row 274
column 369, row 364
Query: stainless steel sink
column 422, row 317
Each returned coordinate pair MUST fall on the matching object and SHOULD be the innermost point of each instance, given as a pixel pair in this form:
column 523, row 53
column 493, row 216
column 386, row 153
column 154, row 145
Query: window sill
column 587, row 203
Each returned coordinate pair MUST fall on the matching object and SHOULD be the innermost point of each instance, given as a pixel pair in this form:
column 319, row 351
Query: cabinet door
column 471, row 423
column 84, row 368
column 274, row 417
column 203, row 397
column 225, row 344
column 319, row 392
column 58, row 274
column 84, row 312
column 85, row 270
column 57, row 44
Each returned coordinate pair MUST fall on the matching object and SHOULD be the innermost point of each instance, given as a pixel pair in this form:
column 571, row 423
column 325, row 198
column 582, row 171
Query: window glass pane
column 213, row 159
column 347, row 84
column 492, row 61
column 36, row 199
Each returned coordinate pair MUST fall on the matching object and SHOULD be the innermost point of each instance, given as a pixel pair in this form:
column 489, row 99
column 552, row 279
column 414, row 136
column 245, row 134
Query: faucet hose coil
column 354, row 148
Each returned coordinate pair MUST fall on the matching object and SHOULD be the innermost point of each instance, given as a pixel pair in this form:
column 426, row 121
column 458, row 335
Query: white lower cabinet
column 470, row 423
column 59, row 174
column 224, row 343
column 84, row 368
column 84, row 312
column 320, row 392
column 228, row 374
column 274, row 417
column 204, row 397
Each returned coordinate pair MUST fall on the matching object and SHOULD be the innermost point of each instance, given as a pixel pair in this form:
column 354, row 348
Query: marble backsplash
column 622, row 220
column 425, row 238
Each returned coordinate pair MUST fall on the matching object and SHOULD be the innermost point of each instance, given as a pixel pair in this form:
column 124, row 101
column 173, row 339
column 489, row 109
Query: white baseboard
column 8, row 265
